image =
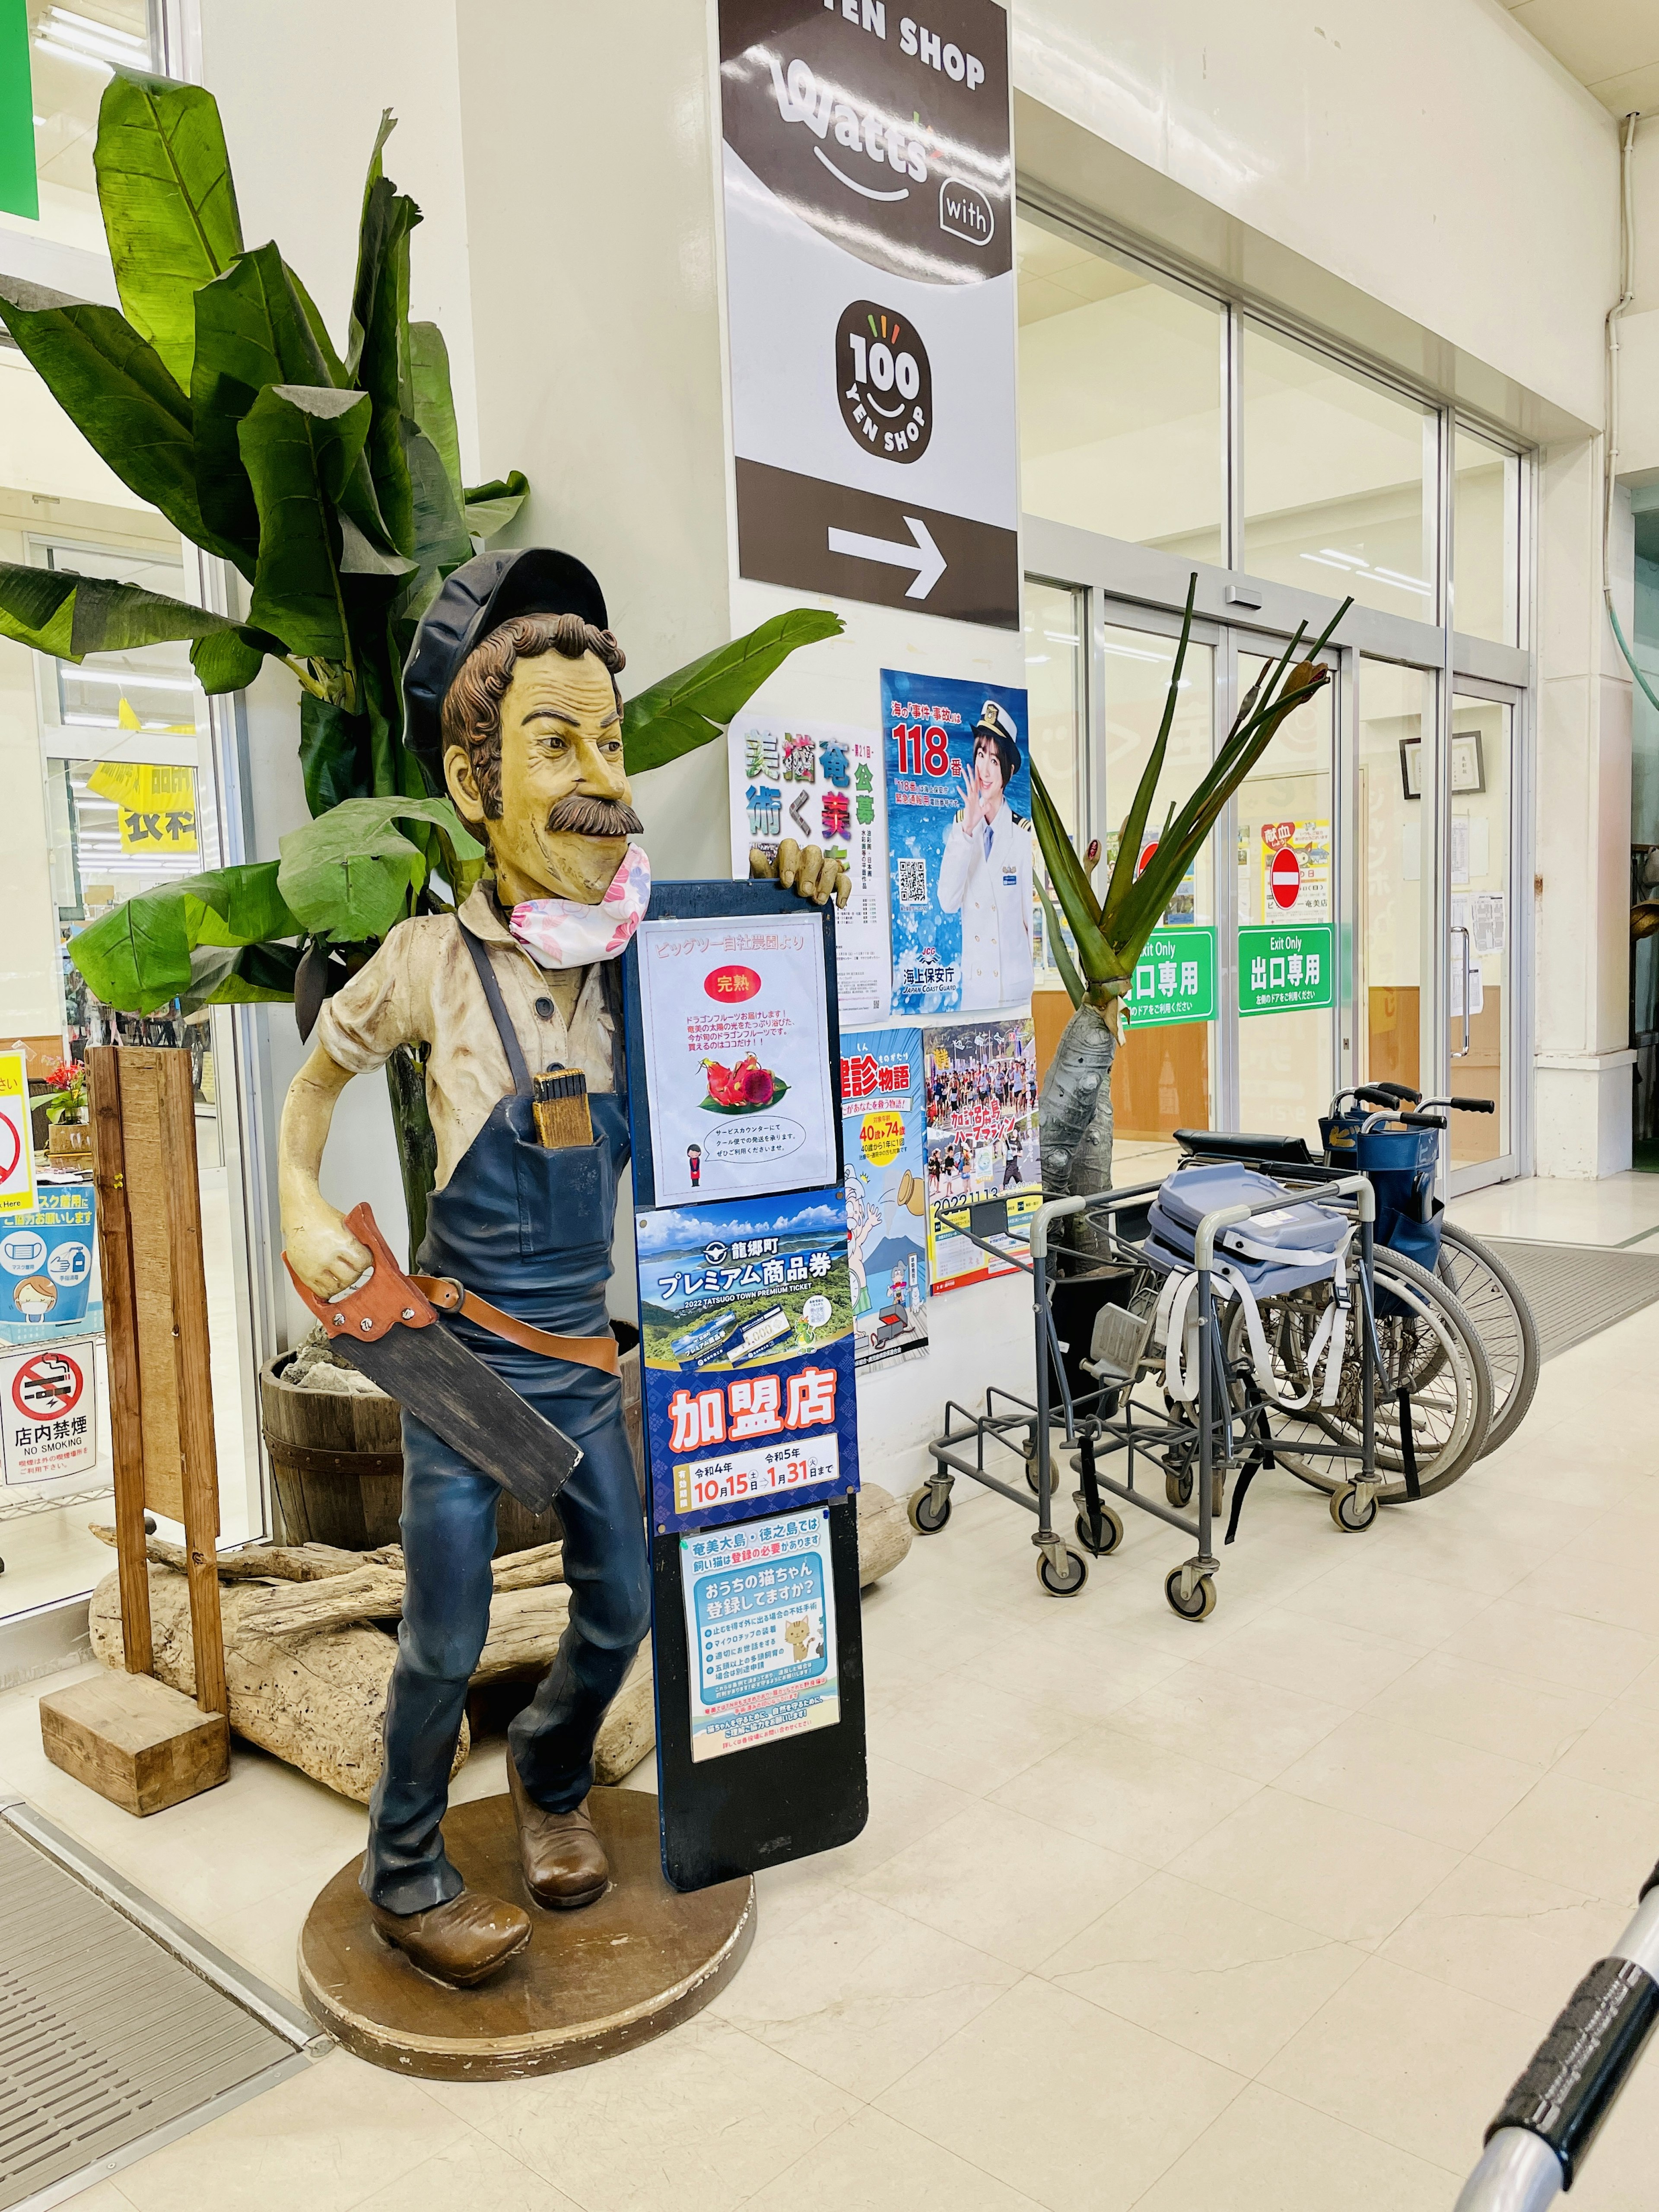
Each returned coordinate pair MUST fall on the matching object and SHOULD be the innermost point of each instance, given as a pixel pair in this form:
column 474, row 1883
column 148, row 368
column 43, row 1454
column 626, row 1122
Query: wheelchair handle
column 1422, row 1120
column 1387, row 1094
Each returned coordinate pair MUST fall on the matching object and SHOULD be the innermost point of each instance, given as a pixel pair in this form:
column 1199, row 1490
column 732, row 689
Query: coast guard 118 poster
column 958, row 767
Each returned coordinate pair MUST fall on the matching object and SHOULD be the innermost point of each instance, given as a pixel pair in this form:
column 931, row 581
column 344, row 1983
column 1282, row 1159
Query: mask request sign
column 869, row 236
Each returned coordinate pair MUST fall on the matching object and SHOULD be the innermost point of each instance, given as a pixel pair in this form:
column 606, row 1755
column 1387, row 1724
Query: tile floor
column 1262, row 1913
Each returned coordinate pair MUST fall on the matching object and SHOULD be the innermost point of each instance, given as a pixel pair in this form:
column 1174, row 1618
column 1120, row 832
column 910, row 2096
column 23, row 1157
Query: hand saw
column 389, row 1329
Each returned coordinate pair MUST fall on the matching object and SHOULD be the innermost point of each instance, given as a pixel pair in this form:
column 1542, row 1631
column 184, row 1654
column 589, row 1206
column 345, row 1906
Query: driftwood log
column 307, row 1670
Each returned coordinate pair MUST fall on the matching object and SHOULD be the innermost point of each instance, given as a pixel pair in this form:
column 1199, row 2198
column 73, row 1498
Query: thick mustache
column 579, row 816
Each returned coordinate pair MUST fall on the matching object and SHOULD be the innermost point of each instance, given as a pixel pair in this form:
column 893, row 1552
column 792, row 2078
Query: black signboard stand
column 763, row 1804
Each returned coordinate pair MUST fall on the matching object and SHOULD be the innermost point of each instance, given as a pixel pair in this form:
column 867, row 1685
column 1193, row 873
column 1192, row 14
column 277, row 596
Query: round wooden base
column 591, row 1983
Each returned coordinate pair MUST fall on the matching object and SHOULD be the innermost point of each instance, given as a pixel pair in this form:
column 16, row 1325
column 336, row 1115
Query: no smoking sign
column 48, row 1400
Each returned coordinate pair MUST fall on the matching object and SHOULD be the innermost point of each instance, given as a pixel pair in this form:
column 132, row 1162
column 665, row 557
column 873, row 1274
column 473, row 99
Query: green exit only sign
column 1282, row 969
column 19, row 193
column 1175, row 979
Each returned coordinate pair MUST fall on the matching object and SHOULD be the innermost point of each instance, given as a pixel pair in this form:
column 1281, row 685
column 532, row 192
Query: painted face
column 565, row 816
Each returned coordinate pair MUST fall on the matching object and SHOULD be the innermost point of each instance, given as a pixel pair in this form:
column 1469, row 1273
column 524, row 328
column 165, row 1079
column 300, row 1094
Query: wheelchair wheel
column 1430, row 1349
column 1495, row 1303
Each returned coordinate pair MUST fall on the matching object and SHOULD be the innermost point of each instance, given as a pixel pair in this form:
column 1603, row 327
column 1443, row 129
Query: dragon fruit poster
column 734, row 1015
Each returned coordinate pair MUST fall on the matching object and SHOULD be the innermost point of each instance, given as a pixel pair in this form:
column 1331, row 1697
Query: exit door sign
column 19, row 192
column 1282, row 970
column 1175, row 979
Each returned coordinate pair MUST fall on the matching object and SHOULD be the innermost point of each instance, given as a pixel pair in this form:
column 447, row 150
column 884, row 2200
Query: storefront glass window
column 1119, row 399
column 70, row 54
column 1396, row 750
column 1339, row 479
column 1486, row 540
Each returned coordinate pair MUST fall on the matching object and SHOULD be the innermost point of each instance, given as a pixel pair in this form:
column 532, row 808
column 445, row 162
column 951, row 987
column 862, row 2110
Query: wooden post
column 130, row 1737
column 121, row 1332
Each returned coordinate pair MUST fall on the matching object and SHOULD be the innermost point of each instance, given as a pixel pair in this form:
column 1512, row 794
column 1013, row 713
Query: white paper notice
column 822, row 784
column 736, row 1030
column 1477, row 984
column 1460, row 848
column 1487, row 920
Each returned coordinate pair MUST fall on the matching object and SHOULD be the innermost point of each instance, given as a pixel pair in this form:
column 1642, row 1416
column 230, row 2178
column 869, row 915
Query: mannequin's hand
column 811, row 874
column 321, row 1250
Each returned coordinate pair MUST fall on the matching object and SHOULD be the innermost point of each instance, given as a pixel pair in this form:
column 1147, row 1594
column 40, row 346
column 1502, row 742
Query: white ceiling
column 1610, row 45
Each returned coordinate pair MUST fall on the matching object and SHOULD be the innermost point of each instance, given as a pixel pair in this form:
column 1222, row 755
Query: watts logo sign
column 870, row 294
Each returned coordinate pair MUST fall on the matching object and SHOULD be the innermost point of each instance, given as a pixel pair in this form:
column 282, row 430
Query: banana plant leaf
column 251, row 330
column 252, row 974
column 379, row 357
column 489, row 508
column 435, row 401
column 333, row 753
column 299, row 445
column 693, row 705
column 351, row 874
column 137, row 955
column 119, row 394
column 68, row 615
column 168, row 204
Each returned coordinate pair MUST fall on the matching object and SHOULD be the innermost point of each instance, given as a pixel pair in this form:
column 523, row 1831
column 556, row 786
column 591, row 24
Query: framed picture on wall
column 1469, row 766
column 1411, row 767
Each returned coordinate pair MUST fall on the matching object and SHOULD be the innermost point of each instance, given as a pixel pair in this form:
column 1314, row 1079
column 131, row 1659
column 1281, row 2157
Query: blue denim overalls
column 529, row 1230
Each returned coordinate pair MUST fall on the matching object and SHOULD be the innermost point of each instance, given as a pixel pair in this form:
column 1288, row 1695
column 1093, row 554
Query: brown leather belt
column 451, row 1296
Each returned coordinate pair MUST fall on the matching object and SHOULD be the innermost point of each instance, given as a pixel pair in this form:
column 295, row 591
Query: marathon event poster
column 821, row 784
column 760, row 1620
column 868, row 186
column 746, row 1338
column 883, row 1142
column 982, row 1147
column 735, row 1016
column 958, row 775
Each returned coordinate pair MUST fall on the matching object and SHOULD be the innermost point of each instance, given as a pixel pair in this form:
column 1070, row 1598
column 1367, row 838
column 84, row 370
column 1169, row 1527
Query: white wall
column 1429, row 152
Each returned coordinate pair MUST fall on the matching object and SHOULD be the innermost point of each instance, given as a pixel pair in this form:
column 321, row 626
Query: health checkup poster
column 884, row 1140
column 820, row 783
column 983, row 1147
column 958, row 776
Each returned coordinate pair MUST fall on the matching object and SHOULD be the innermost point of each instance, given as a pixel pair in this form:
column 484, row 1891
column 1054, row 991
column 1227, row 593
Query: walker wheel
column 927, row 1517
column 1111, row 1533
column 1178, row 1488
column 1346, row 1512
column 1077, row 1573
column 1200, row 1606
column 1031, row 1458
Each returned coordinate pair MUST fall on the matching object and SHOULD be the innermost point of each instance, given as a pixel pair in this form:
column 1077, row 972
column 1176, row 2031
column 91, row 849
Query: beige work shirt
column 420, row 987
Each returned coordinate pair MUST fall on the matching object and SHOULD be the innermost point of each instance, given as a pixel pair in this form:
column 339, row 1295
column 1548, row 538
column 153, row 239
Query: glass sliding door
column 1285, row 917
column 1481, row 908
column 1395, row 724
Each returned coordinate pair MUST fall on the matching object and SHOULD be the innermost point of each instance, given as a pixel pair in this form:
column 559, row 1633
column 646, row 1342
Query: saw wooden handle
column 386, row 1298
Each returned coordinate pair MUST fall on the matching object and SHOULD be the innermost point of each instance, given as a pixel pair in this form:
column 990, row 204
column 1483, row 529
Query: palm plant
column 332, row 483
column 1110, row 932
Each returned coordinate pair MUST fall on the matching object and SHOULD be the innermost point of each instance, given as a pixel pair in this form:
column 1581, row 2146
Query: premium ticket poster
column 884, row 1138
column 983, row 1159
column 746, row 1328
column 822, row 784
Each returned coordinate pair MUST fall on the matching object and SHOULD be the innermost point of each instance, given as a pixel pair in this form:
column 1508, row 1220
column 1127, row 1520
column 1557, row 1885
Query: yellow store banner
column 157, row 804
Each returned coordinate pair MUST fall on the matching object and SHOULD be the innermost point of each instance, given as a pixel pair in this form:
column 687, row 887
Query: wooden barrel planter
column 337, row 1462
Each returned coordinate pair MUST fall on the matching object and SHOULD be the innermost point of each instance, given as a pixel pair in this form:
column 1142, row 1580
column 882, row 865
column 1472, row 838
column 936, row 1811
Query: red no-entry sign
column 1285, row 878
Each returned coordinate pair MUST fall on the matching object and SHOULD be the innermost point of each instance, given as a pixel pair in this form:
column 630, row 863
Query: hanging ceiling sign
column 870, row 301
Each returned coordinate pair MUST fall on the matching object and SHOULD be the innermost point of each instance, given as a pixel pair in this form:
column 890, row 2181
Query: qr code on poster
column 912, row 883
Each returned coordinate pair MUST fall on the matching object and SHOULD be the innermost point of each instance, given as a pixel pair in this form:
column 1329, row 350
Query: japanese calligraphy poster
column 48, row 1401
column 982, row 1148
column 883, row 1140
column 821, row 784
column 735, row 1015
column 746, row 1328
column 958, row 775
column 760, row 1625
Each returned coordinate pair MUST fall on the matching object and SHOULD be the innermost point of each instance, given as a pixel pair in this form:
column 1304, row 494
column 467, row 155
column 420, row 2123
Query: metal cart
column 1107, row 1421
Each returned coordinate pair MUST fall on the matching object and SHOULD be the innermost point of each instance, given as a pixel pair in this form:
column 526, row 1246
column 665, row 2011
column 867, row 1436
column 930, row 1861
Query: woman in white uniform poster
column 985, row 871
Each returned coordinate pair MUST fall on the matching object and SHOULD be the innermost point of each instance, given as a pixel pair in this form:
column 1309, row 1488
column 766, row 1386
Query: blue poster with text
column 958, row 774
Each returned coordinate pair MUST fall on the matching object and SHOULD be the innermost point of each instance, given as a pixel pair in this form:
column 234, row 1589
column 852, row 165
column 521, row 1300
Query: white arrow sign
column 924, row 556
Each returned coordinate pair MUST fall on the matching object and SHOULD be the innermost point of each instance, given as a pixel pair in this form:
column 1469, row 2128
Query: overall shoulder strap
column 492, row 991
column 611, row 983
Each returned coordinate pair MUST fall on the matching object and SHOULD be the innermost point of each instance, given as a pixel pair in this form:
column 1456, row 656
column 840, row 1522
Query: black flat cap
column 482, row 594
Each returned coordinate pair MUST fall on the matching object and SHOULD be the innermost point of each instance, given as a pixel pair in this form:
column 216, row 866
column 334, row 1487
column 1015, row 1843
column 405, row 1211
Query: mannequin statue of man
column 512, row 695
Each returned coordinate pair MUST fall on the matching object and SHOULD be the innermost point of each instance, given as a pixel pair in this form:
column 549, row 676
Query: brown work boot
column 462, row 1941
column 563, row 1861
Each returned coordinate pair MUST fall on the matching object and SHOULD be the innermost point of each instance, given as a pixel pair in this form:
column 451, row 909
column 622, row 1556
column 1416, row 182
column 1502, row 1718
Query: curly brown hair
column 472, row 704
